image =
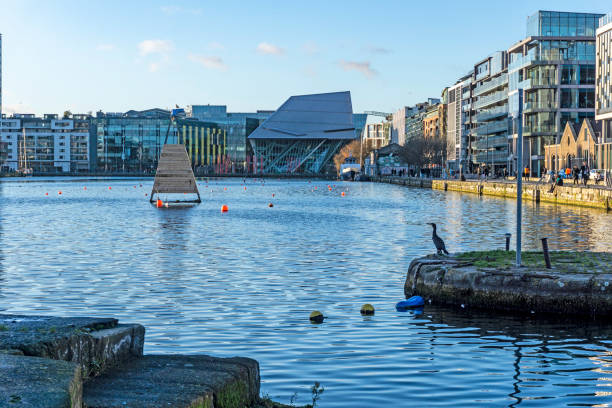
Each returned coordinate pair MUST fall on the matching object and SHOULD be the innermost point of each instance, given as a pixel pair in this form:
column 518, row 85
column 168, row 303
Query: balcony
column 492, row 113
column 486, row 143
column 494, row 83
column 490, row 99
column 492, row 127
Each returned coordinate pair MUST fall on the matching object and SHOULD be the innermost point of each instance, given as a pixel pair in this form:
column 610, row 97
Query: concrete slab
column 176, row 381
column 35, row 382
column 94, row 343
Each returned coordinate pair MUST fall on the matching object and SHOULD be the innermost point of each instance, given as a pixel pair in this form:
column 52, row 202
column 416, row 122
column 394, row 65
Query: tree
column 354, row 149
column 422, row 152
column 67, row 114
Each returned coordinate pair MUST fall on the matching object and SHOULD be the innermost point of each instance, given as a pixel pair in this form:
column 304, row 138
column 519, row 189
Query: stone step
column 93, row 343
column 35, row 382
column 177, row 381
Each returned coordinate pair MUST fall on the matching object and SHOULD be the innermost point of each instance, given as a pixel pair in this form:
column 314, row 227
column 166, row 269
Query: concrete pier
column 578, row 284
column 584, row 196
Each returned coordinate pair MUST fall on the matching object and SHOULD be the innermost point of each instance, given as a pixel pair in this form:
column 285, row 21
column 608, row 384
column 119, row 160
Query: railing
column 493, row 127
column 492, row 113
column 492, row 84
column 489, row 142
column 607, row 19
column 539, row 105
column 490, row 99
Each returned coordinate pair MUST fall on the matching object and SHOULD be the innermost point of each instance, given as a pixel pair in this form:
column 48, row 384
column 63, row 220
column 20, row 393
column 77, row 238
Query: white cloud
column 147, row 47
column 210, row 62
column 267, row 48
column 16, row 108
column 105, row 47
column 179, row 10
column 363, row 67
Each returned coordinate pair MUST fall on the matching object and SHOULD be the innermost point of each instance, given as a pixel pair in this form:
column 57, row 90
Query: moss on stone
column 577, row 262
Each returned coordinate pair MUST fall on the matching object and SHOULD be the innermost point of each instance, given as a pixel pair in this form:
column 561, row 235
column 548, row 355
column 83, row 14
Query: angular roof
column 317, row 116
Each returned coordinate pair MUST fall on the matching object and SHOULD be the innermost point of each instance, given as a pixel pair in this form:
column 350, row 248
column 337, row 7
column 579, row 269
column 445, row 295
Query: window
column 585, row 135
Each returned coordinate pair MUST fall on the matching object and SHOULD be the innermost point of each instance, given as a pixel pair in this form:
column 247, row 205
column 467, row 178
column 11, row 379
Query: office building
column 555, row 67
column 47, row 144
column 603, row 76
column 407, row 122
column 304, row 134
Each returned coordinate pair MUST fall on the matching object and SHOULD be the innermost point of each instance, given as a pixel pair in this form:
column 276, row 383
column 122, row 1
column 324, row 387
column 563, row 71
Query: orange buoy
column 59, row 192
column 224, row 208
column 244, row 188
column 46, row 193
column 316, row 187
column 84, row 188
column 342, row 194
column 109, row 187
column 224, row 188
column 270, row 205
column 159, row 203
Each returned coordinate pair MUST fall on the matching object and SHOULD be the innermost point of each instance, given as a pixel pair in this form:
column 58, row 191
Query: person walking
column 585, row 173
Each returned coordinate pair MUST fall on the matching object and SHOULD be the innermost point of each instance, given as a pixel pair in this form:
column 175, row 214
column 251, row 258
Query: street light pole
column 519, row 179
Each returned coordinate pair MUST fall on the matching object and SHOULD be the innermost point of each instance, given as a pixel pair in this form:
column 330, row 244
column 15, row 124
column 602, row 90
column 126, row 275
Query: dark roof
column 317, row 116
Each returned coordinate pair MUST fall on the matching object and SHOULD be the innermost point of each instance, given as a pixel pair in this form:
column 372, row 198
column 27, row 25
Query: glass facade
column 133, row 143
column 555, row 67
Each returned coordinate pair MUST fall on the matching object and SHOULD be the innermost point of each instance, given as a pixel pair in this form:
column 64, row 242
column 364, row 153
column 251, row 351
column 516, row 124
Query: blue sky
column 120, row 55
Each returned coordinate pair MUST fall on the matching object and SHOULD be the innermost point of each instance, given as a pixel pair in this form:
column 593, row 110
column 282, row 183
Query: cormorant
column 440, row 247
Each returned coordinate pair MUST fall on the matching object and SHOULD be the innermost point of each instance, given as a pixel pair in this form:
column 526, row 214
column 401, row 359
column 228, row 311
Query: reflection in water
column 244, row 283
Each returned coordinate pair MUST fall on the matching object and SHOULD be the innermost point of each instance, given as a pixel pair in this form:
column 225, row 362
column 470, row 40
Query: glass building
column 132, row 141
column 555, row 67
column 603, row 76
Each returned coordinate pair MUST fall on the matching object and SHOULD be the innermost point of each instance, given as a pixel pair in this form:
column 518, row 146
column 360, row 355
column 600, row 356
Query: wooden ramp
column 174, row 174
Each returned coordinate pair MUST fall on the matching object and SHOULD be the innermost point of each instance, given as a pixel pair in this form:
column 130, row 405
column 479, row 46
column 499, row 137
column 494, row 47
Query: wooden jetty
column 174, row 174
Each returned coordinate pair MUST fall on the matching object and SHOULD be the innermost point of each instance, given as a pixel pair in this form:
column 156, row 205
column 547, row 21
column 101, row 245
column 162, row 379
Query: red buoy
column 46, row 193
column 342, row 194
column 109, row 187
column 224, row 208
column 84, row 188
column 159, row 203
column 59, row 192
column 270, row 205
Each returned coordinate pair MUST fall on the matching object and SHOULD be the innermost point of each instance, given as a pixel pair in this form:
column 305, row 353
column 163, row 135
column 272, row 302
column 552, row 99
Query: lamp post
column 519, row 178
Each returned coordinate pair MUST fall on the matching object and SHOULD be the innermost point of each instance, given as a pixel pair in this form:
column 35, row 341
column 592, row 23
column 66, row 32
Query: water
column 243, row 283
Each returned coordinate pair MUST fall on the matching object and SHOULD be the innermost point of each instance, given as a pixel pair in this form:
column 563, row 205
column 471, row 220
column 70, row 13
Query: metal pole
column 519, row 179
column 546, row 255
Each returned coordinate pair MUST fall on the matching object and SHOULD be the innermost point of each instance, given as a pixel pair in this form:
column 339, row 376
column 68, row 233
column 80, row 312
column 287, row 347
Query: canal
column 244, row 282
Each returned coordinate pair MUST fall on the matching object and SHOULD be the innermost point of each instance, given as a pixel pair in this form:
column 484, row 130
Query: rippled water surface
column 243, row 283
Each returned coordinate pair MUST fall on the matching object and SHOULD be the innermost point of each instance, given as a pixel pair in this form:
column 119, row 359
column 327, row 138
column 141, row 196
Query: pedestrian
column 576, row 172
column 585, row 173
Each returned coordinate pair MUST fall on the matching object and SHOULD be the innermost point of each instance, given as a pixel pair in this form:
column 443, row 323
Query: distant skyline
column 115, row 56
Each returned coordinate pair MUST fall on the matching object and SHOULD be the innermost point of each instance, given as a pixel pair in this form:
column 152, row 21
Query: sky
column 118, row 55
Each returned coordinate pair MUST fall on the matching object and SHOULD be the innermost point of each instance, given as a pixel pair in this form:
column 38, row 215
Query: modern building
column 304, row 134
column 237, row 125
column 47, row 144
column 555, row 67
column 407, row 122
column 489, row 134
column 376, row 135
column 359, row 121
column 603, row 76
column 459, row 124
column 132, row 141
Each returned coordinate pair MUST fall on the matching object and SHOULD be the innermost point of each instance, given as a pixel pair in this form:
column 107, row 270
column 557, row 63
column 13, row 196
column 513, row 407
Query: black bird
column 440, row 247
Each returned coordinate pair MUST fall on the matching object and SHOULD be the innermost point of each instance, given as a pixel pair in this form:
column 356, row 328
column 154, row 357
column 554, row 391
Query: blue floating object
column 412, row 303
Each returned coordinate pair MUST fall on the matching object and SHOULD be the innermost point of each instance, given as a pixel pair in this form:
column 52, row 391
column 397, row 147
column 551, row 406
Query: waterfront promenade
column 594, row 196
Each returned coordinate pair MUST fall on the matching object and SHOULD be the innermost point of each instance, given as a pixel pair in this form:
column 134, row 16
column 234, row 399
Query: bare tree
column 354, row 149
column 422, row 152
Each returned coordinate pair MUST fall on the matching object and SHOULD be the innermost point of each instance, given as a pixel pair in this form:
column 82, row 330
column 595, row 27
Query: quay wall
column 570, row 195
